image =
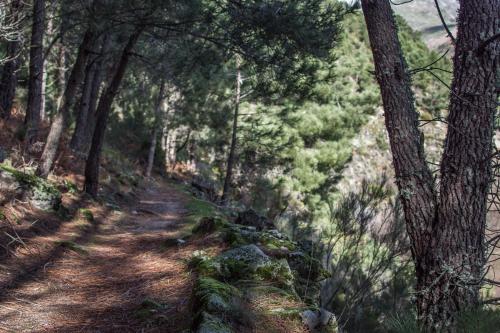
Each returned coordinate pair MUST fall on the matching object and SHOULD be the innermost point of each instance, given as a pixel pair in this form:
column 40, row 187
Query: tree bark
column 62, row 116
column 62, row 58
column 466, row 163
column 49, row 32
column 232, row 150
column 169, row 146
column 83, row 107
column 85, row 121
column 8, row 83
column 156, row 130
column 103, row 110
column 446, row 232
column 33, row 116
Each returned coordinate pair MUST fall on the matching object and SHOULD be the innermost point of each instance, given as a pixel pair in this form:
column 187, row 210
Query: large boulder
column 250, row 262
column 251, row 218
column 45, row 197
column 248, row 255
column 320, row 320
column 39, row 192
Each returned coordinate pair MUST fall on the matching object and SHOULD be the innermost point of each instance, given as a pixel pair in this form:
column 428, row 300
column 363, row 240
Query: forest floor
column 124, row 272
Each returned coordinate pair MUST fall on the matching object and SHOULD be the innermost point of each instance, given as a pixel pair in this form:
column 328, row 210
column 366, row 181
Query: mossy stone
column 40, row 192
column 212, row 324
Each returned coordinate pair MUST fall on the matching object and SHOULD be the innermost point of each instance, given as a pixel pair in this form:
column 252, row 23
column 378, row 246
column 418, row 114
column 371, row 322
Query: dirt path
column 128, row 276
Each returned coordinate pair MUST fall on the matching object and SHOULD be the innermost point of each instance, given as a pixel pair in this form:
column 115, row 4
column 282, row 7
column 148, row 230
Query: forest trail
column 128, row 275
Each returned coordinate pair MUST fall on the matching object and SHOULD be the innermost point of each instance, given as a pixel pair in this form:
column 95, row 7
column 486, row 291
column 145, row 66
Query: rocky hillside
column 422, row 16
column 261, row 282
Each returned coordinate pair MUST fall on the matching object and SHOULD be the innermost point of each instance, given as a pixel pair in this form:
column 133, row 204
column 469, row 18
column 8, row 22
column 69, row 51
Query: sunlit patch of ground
column 124, row 273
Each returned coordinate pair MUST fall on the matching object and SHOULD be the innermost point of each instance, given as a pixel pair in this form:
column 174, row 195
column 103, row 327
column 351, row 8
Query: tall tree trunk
column 8, row 81
column 103, row 110
column 466, row 162
column 446, row 232
column 156, row 130
column 232, row 150
column 85, row 119
column 62, row 116
column 33, row 116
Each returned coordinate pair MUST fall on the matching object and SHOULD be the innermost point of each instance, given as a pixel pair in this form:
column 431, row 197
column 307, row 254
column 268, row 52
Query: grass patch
column 70, row 187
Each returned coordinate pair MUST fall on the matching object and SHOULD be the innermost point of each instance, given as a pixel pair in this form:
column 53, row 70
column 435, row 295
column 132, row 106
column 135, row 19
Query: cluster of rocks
column 259, row 254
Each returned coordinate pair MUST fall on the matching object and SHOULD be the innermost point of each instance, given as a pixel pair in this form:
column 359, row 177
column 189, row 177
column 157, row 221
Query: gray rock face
column 251, row 218
column 44, row 199
column 250, row 255
column 319, row 319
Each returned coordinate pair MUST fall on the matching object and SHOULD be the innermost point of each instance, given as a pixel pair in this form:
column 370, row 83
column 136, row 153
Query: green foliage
column 481, row 320
column 30, row 180
column 70, row 187
column 43, row 194
column 87, row 214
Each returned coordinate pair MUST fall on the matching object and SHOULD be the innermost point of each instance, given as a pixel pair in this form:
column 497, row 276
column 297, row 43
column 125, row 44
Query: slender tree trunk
column 170, row 139
column 103, row 110
column 232, row 150
column 49, row 32
column 62, row 116
column 8, row 81
column 156, row 130
column 446, row 232
column 62, row 58
column 33, row 116
column 85, row 121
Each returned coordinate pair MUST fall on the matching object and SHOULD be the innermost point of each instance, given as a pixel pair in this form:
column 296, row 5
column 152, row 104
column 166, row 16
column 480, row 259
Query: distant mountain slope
column 422, row 16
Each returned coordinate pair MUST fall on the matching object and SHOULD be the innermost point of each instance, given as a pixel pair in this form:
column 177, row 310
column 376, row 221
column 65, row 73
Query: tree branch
column 444, row 23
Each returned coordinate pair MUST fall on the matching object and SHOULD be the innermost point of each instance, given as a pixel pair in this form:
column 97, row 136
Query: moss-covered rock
column 215, row 305
column 307, row 267
column 10, row 187
column 249, row 255
column 251, row 218
column 208, row 225
column 39, row 192
column 320, row 321
column 212, row 324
